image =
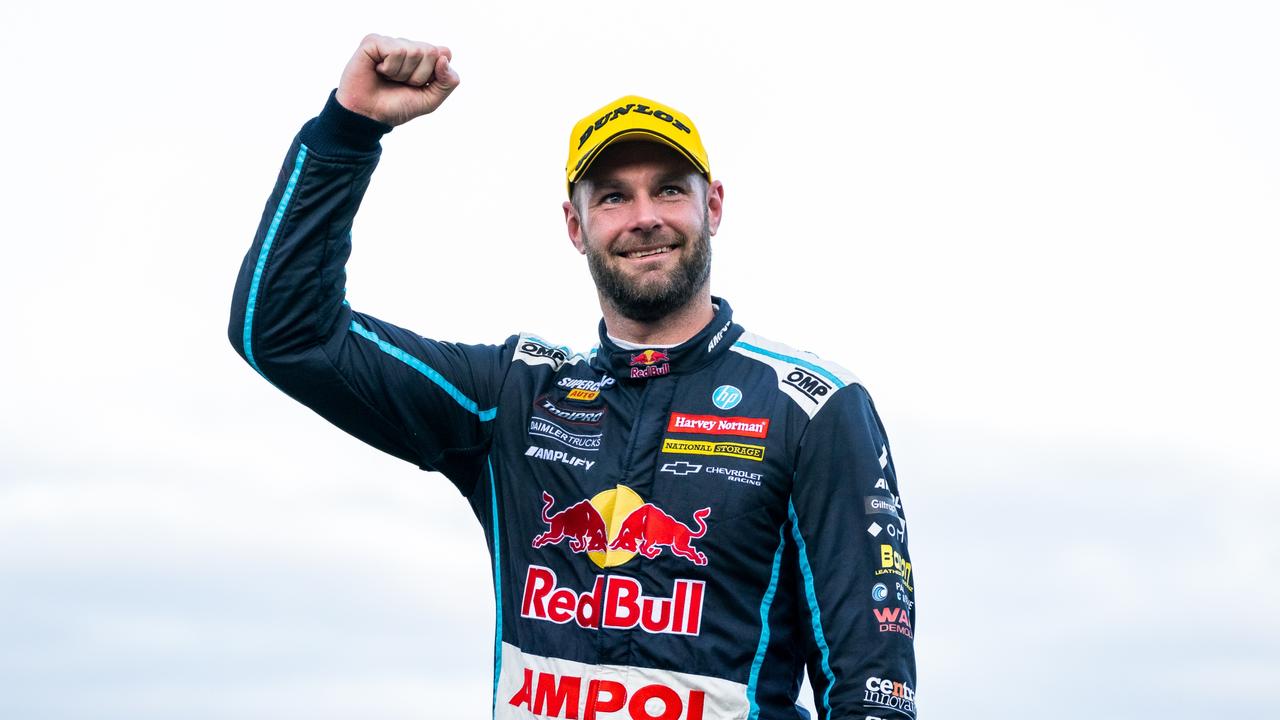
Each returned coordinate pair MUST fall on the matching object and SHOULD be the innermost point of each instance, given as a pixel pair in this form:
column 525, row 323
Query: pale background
column 1041, row 232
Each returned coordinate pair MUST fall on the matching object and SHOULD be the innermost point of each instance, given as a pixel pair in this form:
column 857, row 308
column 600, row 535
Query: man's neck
column 672, row 329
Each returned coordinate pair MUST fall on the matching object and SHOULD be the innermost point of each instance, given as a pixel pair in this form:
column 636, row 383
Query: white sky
column 1042, row 233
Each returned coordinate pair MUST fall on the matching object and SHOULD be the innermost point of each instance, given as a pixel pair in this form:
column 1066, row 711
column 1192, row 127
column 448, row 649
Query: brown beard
column 653, row 301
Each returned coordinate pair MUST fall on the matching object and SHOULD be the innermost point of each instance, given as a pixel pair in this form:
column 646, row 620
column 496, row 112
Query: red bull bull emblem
column 633, row 526
column 650, row 363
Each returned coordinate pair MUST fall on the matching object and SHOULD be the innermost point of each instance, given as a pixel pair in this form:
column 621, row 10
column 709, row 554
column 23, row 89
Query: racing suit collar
column 693, row 354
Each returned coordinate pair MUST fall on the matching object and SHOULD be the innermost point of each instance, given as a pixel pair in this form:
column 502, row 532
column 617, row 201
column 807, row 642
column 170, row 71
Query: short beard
column 653, row 301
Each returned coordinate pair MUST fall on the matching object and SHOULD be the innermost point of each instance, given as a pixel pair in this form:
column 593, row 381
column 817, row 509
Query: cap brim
column 628, row 135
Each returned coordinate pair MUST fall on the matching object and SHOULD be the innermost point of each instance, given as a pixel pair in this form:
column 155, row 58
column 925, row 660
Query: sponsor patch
column 687, row 468
column 582, row 395
column 891, row 694
column 707, row 447
column 584, row 384
column 893, row 620
column 893, row 563
column 719, row 336
column 578, row 441
column 559, row 456
column 716, row 425
column 880, row 505
column 726, row 397
column 810, row 384
column 649, row 364
column 584, row 417
column 614, row 602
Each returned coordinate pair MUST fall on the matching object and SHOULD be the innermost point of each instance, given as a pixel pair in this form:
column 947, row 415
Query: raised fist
column 394, row 80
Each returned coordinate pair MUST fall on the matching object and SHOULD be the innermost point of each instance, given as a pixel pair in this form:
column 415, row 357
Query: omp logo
column 538, row 350
column 705, row 447
column 892, row 694
column 812, row 386
column 892, row 563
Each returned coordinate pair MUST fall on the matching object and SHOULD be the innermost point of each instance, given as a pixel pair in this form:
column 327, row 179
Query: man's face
column 644, row 218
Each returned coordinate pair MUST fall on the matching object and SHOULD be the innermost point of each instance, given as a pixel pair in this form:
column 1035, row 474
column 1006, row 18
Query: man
column 680, row 521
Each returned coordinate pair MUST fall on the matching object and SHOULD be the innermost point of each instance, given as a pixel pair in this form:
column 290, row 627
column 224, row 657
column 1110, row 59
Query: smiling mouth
column 648, row 252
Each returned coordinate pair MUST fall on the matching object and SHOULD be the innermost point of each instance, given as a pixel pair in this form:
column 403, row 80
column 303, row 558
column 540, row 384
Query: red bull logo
column 632, row 527
column 649, row 357
column 650, row 363
column 614, row 602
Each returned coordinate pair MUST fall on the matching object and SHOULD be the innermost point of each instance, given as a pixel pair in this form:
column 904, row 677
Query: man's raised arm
column 430, row 403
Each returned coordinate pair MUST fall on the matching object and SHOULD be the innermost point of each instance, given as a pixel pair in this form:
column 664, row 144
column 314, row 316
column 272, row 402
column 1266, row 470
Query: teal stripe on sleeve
column 426, row 370
column 765, row 604
column 267, row 242
column 815, row 615
column 791, row 359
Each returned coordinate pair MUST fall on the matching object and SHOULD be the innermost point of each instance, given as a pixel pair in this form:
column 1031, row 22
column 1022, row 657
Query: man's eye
column 611, row 198
column 670, row 190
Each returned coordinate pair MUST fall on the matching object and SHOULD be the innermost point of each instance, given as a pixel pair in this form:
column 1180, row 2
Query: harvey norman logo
column 706, row 447
column 716, row 425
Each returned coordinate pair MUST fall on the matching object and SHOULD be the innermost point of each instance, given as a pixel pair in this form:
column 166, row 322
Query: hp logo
column 726, row 397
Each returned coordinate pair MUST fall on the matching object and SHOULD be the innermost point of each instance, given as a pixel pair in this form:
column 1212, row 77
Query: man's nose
column 645, row 217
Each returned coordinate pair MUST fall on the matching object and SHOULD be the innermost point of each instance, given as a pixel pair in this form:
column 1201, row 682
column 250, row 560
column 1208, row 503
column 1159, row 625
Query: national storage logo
column 706, row 447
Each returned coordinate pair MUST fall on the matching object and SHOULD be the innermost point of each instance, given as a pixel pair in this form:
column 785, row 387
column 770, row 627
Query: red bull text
column 614, row 602
column 646, row 364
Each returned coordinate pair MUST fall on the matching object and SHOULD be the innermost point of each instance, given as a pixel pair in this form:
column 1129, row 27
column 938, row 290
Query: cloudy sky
column 1042, row 233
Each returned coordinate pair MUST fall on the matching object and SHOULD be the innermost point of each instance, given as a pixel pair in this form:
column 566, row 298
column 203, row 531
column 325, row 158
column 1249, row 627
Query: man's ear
column 715, row 205
column 573, row 224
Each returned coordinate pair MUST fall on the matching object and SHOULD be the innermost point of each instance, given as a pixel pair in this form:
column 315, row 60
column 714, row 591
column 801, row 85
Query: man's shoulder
column 807, row 379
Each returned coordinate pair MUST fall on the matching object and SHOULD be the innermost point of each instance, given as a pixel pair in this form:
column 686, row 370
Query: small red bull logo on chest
column 650, row 363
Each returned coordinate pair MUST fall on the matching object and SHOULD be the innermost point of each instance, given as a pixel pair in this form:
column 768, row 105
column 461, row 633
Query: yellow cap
column 633, row 118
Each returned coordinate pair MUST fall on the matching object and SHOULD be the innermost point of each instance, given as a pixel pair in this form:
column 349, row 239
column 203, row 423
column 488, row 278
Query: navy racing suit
column 676, row 532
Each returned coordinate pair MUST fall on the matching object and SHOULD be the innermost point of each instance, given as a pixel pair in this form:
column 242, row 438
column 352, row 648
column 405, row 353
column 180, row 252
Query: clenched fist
column 394, row 80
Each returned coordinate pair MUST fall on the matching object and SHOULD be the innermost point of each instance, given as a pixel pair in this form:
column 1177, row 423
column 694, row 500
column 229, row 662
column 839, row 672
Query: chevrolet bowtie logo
column 681, row 468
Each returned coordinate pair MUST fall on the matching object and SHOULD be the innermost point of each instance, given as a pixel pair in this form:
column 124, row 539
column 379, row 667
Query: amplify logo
column 812, row 386
column 649, row 364
column 891, row 694
column 706, row 447
column 716, row 425
column 633, row 526
column 559, row 456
